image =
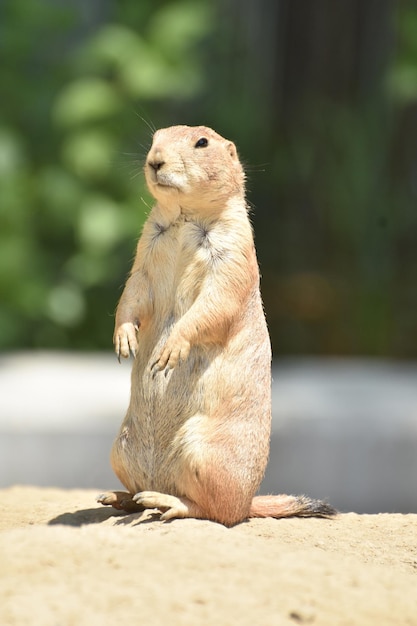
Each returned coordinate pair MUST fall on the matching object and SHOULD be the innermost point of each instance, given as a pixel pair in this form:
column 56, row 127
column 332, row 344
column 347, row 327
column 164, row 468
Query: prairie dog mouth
column 164, row 179
column 164, row 183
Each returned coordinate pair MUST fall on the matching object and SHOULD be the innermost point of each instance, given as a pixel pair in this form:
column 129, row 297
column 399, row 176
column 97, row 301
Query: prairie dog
column 195, row 439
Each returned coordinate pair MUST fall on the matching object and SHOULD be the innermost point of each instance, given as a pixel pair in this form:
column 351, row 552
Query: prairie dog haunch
column 195, row 439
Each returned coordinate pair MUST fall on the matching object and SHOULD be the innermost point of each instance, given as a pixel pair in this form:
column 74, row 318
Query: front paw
column 125, row 340
column 176, row 349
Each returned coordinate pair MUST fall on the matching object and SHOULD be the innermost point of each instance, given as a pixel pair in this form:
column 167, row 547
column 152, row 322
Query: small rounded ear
column 231, row 148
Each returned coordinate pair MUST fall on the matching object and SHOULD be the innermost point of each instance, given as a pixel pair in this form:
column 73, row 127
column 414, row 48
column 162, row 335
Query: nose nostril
column 156, row 164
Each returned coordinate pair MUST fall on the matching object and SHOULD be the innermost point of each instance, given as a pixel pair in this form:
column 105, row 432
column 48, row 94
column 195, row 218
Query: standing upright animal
column 195, row 440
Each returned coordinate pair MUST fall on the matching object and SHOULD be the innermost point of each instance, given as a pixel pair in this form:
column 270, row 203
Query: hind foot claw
column 170, row 506
column 120, row 500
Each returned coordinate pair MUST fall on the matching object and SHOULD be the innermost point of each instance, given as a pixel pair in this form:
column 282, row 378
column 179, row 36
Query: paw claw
column 125, row 341
column 148, row 499
column 169, row 515
column 120, row 500
column 109, row 498
column 172, row 355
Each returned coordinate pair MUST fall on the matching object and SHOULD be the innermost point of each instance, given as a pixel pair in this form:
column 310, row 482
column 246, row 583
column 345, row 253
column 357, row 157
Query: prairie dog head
column 194, row 167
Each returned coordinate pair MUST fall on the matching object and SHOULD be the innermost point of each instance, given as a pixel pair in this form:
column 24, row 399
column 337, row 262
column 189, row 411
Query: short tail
column 290, row 506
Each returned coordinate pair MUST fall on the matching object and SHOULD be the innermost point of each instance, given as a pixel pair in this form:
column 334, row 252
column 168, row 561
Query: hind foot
column 170, row 506
column 121, row 500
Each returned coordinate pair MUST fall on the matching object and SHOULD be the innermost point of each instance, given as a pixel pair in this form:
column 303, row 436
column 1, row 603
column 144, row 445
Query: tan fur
column 195, row 440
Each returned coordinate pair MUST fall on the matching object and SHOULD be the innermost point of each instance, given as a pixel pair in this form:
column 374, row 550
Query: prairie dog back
column 195, row 439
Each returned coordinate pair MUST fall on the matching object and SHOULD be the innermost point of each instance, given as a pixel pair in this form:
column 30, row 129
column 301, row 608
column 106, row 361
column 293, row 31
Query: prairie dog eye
column 201, row 143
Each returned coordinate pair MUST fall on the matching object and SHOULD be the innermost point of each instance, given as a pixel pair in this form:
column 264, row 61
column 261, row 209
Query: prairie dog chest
column 180, row 257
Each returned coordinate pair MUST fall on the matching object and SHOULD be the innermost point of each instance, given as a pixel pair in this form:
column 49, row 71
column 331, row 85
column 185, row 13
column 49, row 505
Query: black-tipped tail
column 290, row 506
column 314, row 508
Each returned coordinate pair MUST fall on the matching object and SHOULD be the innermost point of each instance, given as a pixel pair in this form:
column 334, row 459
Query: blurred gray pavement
column 345, row 430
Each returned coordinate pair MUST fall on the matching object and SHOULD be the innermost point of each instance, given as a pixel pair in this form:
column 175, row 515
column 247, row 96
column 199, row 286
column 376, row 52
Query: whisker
column 145, row 203
column 149, row 124
column 137, row 173
column 257, row 167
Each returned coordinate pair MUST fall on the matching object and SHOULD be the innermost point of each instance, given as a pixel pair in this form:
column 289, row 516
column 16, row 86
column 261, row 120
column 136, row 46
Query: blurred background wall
column 321, row 100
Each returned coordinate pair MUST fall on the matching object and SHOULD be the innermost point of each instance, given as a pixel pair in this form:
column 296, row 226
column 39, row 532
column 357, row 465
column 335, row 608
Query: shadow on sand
column 86, row 516
column 99, row 515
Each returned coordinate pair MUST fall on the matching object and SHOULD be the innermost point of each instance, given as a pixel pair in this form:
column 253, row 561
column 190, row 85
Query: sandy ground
column 65, row 561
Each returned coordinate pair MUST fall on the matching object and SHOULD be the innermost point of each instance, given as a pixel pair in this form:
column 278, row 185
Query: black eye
column 201, row 143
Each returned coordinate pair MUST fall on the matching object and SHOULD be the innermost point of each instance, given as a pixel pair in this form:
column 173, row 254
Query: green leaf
column 85, row 100
column 113, row 46
column 66, row 304
column 87, row 269
column 60, row 192
column 99, row 223
column 12, row 153
column 89, row 153
column 177, row 27
column 402, row 83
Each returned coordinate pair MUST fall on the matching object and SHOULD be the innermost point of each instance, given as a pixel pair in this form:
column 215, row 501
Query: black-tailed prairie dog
column 195, row 440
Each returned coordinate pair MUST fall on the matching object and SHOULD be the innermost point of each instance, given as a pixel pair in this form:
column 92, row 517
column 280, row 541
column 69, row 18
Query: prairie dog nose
column 156, row 164
column 156, row 160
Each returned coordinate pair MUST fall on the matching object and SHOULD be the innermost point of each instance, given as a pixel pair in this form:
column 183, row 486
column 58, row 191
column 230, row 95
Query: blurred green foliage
column 332, row 143
column 332, row 176
column 70, row 198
